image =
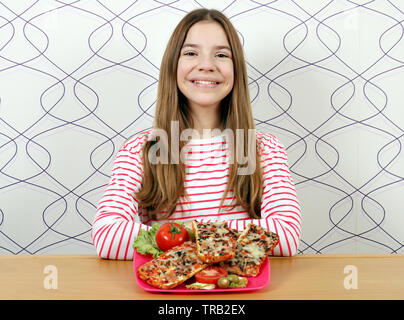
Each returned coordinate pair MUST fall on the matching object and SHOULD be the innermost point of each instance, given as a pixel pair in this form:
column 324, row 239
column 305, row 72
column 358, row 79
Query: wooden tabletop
column 305, row 277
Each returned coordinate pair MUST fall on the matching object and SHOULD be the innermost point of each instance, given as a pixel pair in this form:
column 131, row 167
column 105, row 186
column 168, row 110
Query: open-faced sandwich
column 173, row 267
column 215, row 242
column 253, row 246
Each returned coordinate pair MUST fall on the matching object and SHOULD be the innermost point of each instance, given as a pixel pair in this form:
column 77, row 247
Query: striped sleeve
column 280, row 208
column 118, row 220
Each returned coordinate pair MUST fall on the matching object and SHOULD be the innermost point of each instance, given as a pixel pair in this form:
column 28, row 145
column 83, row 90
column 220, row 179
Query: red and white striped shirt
column 119, row 218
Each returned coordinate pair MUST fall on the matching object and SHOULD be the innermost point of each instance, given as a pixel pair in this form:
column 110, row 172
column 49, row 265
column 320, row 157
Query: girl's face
column 205, row 67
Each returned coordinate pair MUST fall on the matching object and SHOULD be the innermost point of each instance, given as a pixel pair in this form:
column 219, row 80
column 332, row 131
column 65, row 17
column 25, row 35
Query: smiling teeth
column 205, row 82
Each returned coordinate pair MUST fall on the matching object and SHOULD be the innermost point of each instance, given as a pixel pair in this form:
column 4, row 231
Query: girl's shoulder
column 267, row 141
column 135, row 143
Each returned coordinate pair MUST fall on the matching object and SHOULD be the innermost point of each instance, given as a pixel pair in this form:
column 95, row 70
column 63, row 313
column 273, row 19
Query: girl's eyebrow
column 219, row 47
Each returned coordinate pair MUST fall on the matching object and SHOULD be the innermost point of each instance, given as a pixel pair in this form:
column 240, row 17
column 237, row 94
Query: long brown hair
column 163, row 183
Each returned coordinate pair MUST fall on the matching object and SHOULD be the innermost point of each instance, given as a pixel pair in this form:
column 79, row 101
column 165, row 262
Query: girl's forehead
column 206, row 32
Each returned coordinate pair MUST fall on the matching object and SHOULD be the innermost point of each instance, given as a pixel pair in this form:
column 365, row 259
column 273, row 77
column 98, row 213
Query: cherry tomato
column 171, row 234
column 211, row 274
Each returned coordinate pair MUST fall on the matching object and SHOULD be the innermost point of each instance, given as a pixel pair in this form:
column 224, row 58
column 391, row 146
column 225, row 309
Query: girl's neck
column 207, row 129
column 205, row 121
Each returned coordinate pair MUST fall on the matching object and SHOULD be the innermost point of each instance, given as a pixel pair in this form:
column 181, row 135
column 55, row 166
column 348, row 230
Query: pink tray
column 254, row 283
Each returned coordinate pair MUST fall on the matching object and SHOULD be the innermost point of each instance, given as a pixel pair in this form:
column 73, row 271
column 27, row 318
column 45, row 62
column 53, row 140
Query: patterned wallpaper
column 79, row 77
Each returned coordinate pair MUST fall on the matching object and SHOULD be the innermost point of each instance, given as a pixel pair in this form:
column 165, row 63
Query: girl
column 202, row 86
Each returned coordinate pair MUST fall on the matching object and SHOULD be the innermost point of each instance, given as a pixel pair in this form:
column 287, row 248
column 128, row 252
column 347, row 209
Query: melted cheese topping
column 254, row 250
column 215, row 239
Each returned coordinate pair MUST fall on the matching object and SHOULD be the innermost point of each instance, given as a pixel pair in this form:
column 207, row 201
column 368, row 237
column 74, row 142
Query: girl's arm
column 118, row 220
column 280, row 208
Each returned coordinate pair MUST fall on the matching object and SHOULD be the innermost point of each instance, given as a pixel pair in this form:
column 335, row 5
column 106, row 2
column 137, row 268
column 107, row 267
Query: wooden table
column 305, row 277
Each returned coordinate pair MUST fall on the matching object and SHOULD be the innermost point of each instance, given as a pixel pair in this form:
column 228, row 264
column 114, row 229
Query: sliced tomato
column 211, row 274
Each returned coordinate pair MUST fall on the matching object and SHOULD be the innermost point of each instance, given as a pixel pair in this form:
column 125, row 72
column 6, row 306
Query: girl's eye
column 189, row 53
column 222, row 55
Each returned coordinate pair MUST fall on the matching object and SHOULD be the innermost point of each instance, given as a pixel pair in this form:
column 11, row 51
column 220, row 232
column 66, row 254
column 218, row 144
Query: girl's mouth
column 205, row 83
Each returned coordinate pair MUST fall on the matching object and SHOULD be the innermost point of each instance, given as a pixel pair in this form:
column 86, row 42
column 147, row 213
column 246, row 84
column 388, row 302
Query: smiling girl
column 203, row 87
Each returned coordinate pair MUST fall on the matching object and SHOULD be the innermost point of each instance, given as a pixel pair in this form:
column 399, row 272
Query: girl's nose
column 206, row 63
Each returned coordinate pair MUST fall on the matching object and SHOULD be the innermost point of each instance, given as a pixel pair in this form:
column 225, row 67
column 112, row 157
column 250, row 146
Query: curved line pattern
column 361, row 102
